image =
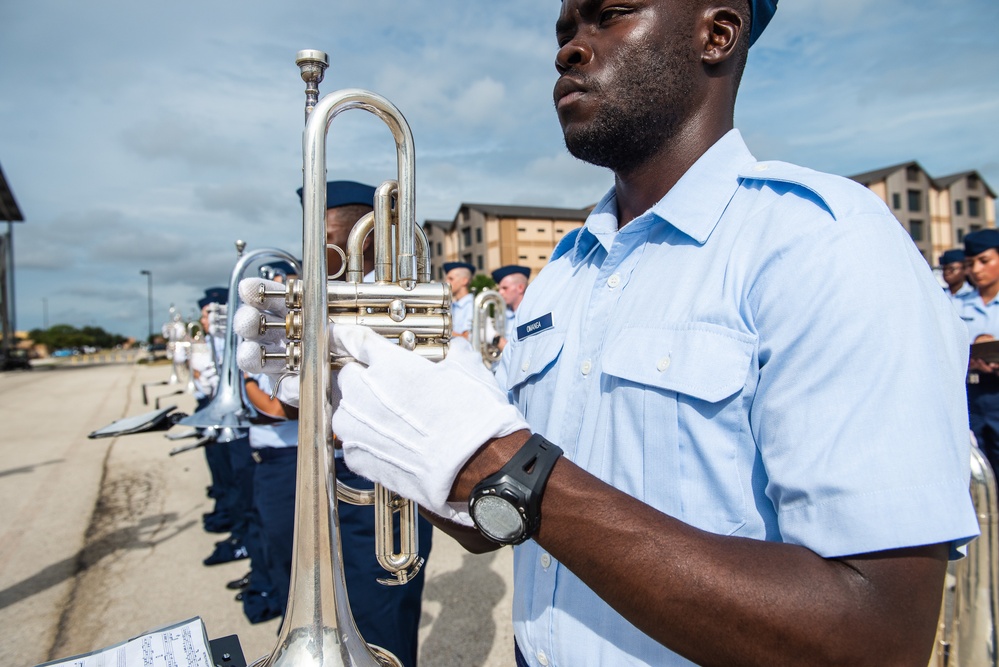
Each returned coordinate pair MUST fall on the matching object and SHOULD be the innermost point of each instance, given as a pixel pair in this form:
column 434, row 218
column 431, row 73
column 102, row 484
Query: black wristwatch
column 506, row 506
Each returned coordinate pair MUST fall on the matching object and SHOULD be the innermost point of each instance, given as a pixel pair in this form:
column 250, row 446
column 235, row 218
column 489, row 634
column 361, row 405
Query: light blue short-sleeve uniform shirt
column 962, row 292
column 724, row 359
column 511, row 317
column 980, row 318
column 461, row 313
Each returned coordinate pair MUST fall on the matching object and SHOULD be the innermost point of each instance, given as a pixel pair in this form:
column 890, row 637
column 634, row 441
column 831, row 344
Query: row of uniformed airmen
column 972, row 277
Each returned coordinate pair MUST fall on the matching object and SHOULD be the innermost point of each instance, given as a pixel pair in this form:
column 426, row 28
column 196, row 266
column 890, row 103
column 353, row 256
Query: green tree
column 64, row 336
column 482, row 281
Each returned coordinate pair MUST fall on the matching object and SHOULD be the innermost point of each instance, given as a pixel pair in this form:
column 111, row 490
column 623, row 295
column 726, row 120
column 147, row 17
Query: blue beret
column 978, row 242
column 343, row 193
column 284, row 268
column 214, row 295
column 761, row 11
column 450, row 266
column 504, row 271
column 951, row 256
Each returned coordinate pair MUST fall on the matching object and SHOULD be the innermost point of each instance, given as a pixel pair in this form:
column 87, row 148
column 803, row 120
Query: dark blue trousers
column 274, row 498
column 387, row 616
column 983, row 415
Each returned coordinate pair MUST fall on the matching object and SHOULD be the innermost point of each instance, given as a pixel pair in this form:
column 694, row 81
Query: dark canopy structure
column 9, row 213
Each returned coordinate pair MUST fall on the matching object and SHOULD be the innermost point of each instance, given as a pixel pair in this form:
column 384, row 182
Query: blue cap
column 761, row 11
column 951, row 256
column 504, row 271
column 271, row 269
column 344, row 193
column 214, row 295
column 450, row 266
column 978, row 242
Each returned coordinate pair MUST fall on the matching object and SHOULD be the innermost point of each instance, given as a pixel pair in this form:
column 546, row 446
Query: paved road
column 101, row 540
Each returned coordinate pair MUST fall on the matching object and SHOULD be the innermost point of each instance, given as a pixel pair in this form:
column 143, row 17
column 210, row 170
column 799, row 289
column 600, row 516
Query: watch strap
column 524, row 476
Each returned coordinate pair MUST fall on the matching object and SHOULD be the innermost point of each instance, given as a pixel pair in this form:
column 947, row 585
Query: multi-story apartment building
column 489, row 236
column 937, row 212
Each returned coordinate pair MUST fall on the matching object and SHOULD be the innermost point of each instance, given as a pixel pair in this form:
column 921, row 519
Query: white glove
column 246, row 323
column 411, row 424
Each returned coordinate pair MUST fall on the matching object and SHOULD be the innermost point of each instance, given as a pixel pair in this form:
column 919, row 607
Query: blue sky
column 151, row 136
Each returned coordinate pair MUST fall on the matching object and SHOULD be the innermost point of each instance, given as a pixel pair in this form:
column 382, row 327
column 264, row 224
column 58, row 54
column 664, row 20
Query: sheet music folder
column 988, row 351
column 183, row 644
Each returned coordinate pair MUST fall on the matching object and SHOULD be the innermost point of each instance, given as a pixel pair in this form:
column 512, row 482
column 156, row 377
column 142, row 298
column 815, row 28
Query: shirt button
column 760, row 167
column 546, row 561
column 663, row 364
column 542, row 658
column 614, row 281
column 526, row 366
column 586, row 367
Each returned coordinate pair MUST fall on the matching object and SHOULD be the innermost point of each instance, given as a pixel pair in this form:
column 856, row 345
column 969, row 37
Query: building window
column 974, row 207
column 960, row 235
column 896, row 201
column 916, row 230
column 915, row 200
column 541, row 230
column 974, row 228
column 912, row 174
column 478, row 263
column 972, row 182
column 467, row 258
column 558, row 230
column 466, row 236
column 478, row 236
column 440, row 249
column 958, row 207
column 522, row 229
column 523, row 256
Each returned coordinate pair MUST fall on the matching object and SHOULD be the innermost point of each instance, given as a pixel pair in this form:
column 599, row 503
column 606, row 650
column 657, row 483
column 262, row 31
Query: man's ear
column 724, row 28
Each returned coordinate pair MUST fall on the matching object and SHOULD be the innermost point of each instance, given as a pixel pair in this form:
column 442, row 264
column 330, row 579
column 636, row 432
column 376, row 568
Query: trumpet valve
column 397, row 310
column 407, row 340
column 292, row 357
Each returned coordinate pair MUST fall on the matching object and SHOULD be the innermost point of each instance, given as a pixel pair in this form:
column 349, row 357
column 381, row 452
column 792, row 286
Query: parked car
column 14, row 360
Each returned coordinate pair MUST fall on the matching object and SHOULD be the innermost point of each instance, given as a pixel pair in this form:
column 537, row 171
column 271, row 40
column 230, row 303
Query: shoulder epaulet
column 567, row 243
column 840, row 196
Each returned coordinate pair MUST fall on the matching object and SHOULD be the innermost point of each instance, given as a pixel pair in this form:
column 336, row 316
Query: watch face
column 497, row 518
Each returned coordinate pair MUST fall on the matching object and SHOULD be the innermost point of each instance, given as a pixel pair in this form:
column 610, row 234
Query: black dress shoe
column 239, row 584
column 216, row 522
column 226, row 552
column 239, row 596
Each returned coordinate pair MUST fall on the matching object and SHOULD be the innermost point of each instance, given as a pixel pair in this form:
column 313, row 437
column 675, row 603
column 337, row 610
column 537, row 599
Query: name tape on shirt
column 533, row 327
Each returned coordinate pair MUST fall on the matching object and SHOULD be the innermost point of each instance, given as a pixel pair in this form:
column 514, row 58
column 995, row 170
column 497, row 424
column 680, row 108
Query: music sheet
column 182, row 645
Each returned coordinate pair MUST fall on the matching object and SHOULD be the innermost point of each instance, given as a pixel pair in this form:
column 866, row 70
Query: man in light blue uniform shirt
column 511, row 283
column 952, row 267
column 765, row 461
column 459, row 276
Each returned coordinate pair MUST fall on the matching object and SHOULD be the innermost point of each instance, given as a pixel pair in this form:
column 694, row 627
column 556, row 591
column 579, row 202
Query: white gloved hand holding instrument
column 399, row 428
column 257, row 340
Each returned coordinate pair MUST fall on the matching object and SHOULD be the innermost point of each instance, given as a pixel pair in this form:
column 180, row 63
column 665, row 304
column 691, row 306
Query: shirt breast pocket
column 676, row 405
column 528, row 369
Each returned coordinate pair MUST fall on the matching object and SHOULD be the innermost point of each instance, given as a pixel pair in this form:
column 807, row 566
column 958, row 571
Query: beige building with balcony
column 489, row 236
column 937, row 212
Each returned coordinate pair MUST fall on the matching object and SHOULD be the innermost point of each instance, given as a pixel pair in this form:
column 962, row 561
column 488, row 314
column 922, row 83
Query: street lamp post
column 149, row 275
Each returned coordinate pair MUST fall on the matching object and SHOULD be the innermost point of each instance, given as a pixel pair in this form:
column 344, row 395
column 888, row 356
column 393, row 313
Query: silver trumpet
column 967, row 635
column 486, row 302
column 230, row 410
column 402, row 305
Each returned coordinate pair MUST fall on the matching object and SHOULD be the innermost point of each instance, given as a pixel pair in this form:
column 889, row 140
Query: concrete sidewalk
column 101, row 540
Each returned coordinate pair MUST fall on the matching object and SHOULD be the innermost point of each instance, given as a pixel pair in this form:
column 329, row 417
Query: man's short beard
column 647, row 107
